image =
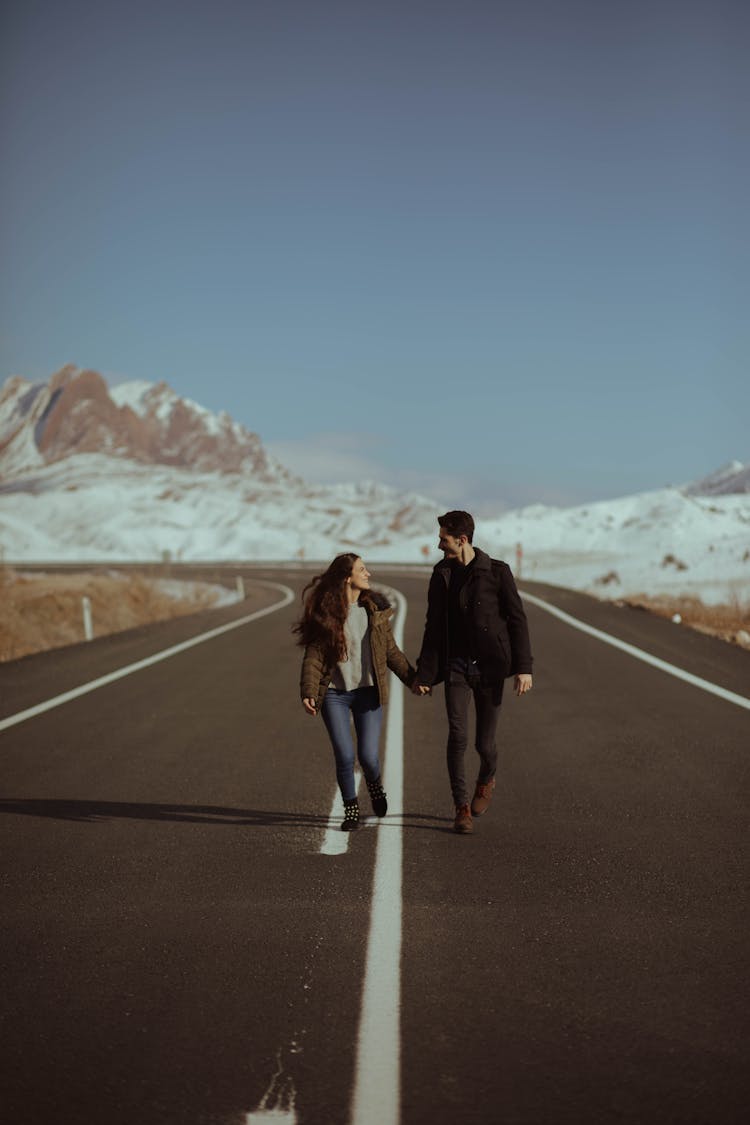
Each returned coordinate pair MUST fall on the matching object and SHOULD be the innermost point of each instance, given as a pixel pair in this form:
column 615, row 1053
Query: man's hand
column 421, row 689
column 309, row 705
column 522, row 683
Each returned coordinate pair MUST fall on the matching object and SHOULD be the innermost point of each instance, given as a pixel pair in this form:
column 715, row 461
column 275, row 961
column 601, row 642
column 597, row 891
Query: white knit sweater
column 356, row 670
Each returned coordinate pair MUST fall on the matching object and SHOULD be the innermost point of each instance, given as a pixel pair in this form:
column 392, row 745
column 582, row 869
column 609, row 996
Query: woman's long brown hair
column 325, row 609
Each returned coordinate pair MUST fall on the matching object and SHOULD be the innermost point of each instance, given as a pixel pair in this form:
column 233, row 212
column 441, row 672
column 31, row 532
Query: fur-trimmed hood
column 376, row 600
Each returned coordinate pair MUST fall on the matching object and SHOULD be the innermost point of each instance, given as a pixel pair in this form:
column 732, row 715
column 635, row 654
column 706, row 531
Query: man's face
column 449, row 544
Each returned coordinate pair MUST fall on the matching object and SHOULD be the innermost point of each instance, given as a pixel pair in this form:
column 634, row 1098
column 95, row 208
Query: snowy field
column 80, row 510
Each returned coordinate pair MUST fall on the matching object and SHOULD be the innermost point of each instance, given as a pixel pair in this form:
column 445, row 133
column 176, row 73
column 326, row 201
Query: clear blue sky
column 494, row 251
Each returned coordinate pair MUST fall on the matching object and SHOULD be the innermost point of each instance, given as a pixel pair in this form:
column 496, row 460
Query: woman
column 349, row 645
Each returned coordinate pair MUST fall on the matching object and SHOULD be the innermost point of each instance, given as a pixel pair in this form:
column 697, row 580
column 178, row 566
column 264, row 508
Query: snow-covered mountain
column 136, row 473
column 678, row 541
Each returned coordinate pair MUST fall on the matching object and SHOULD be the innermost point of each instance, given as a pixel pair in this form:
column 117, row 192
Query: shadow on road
column 93, row 812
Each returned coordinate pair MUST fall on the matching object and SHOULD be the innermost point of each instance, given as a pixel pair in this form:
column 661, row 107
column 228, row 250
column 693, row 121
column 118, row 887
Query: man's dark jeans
column 462, row 682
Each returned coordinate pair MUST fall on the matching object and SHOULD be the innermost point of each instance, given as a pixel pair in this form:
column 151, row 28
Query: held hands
column 417, row 689
column 522, row 684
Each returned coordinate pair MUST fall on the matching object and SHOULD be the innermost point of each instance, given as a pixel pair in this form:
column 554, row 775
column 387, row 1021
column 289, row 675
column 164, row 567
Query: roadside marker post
column 88, row 626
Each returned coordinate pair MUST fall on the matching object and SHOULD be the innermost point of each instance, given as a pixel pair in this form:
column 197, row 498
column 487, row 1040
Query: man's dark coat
column 495, row 617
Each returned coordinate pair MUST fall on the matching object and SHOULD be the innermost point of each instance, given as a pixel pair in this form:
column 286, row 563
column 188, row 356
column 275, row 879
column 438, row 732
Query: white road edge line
column 639, row 654
column 377, row 1074
column 165, row 654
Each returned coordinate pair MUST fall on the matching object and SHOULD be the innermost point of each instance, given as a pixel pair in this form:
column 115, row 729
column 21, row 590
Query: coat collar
column 482, row 561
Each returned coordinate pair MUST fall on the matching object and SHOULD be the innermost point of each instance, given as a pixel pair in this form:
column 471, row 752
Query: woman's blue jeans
column 339, row 709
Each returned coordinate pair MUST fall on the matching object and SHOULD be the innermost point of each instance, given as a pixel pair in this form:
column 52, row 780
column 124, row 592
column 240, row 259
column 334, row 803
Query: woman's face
column 360, row 576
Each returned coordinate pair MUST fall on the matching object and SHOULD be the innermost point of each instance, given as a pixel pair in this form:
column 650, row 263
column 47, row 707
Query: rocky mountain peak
column 76, row 412
column 733, row 477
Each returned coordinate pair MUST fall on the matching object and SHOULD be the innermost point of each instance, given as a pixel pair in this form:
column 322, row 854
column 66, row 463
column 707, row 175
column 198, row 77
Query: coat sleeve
column 313, row 670
column 397, row 661
column 511, row 607
column 428, row 663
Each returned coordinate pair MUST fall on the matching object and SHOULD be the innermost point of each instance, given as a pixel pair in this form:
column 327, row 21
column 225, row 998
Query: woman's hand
column 309, row 705
column 522, row 683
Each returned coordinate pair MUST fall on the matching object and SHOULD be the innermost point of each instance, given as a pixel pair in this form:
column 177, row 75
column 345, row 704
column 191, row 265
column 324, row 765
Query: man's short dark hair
column 458, row 523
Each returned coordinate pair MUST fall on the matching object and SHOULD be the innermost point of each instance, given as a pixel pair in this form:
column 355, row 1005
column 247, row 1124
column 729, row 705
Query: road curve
column 180, row 951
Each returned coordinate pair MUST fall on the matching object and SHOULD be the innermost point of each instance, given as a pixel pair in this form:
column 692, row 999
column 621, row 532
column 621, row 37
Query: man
column 475, row 636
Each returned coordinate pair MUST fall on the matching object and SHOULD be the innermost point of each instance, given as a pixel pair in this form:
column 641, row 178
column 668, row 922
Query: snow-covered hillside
column 670, row 541
column 81, row 509
column 137, row 473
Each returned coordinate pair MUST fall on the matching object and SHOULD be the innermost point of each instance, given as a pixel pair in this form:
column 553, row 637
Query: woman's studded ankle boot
column 378, row 798
column 351, row 816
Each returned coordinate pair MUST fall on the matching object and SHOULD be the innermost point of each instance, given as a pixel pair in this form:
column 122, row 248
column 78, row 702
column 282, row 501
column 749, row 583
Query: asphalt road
column 177, row 950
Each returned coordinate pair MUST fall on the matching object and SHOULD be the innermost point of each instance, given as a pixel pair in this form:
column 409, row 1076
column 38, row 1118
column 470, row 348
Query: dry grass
column 44, row 611
column 730, row 622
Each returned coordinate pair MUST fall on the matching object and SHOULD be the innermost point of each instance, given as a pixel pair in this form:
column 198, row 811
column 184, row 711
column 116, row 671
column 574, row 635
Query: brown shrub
column 729, row 621
column 39, row 612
